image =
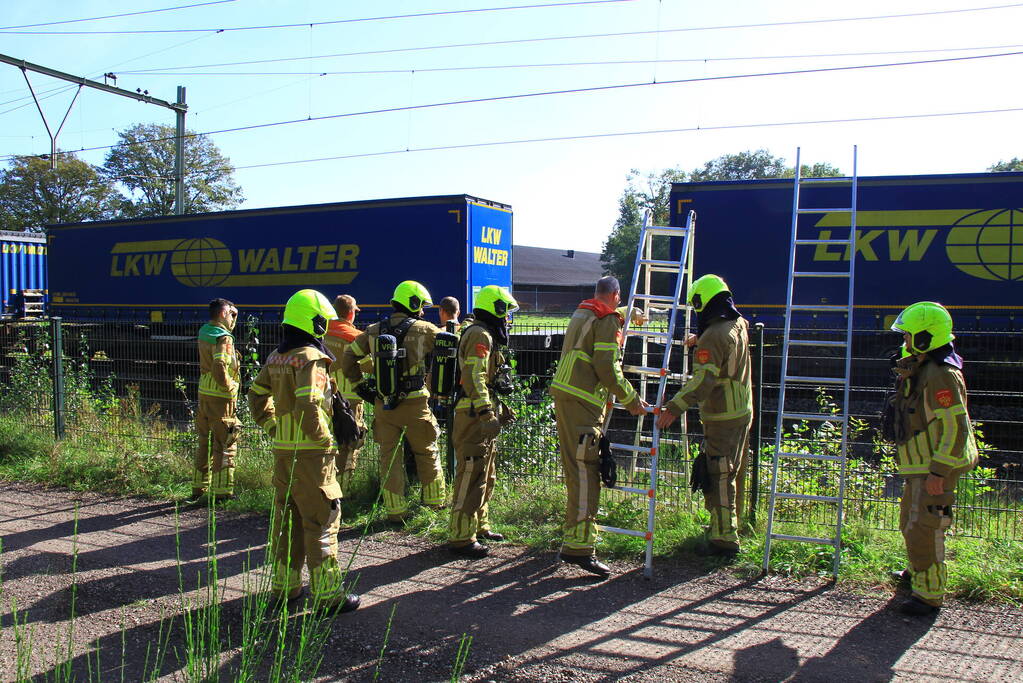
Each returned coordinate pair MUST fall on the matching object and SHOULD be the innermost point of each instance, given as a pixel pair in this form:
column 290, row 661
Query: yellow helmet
column 928, row 325
column 309, row 311
column 412, row 295
column 495, row 300
column 704, row 289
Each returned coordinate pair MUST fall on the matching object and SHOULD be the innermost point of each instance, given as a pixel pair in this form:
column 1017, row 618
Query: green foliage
column 1012, row 164
column 143, row 163
column 33, row 195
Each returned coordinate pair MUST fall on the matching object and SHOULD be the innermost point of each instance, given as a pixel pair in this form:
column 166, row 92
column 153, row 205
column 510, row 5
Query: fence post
column 57, row 354
column 758, row 409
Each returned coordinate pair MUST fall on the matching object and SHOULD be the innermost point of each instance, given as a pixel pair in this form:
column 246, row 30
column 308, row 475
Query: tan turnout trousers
column 415, row 417
column 217, row 429
column 923, row 520
column 579, row 432
column 475, row 476
column 726, row 444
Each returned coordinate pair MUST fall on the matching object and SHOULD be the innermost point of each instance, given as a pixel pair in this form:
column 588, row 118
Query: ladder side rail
column 848, row 371
column 778, row 435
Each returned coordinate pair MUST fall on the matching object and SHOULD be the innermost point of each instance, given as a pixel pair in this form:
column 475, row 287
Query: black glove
column 699, row 478
column 608, row 466
column 367, row 390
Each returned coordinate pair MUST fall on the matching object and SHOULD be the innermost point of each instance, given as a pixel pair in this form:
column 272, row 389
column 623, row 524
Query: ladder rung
column 665, row 230
column 821, row 417
column 820, row 307
column 811, row 456
column 627, row 532
column 671, row 442
column 632, row 489
column 641, row 370
column 663, row 264
column 619, row 405
column 814, row 342
column 806, row 496
column 822, row 181
column 658, row 298
column 630, row 447
column 647, row 333
column 803, row 539
column 814, row 380
column 807, row 273
column 835, row 243
column 823, row 210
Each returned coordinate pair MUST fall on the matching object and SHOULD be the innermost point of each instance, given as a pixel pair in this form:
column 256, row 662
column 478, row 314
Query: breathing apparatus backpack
column 390, row 378
column 445, row 364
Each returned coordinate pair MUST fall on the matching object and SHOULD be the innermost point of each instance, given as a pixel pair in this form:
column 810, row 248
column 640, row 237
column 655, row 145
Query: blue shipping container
column 170, row 267
column 22, row 266
column 957, row 239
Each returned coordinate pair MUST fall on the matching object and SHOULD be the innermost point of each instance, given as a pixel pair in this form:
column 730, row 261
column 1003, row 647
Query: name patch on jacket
column 703, row 356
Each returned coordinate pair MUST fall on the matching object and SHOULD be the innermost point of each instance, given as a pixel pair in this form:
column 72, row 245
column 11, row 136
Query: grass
column 529, row 513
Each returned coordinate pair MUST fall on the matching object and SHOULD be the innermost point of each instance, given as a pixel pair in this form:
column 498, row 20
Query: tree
column 143, row 163
column 33, row 195
column 619, row 252
column 1013, row 164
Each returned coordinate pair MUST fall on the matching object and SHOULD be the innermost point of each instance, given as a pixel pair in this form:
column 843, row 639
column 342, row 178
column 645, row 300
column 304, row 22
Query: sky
column 565, row 192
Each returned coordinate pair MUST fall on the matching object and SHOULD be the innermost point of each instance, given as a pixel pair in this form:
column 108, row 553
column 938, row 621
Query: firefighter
column 588, row 371
column 449, row 310
column 721, row 387
column 216, row 423
column 478, row 421
column 291, row 401
column 340, row 333
column 935, row 446
column 406, row 411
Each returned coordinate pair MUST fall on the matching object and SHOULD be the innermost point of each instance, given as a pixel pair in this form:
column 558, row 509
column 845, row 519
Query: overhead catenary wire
column 566, row 91
column 610, row 62
column 584, row 36
column 311, row 24
column 117, row 16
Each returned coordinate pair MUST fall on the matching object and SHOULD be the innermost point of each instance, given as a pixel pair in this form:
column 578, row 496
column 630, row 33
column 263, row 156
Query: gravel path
column 530, row 618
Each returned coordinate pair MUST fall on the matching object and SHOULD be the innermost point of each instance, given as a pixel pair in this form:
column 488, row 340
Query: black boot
column 588, row 563
column 473, row 551
column 903, row 577
column 712, row 550
column 350, row 603
column 915, row 607
column 490, row 535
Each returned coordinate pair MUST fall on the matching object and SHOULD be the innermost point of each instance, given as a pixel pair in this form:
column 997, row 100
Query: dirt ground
column 531, row 618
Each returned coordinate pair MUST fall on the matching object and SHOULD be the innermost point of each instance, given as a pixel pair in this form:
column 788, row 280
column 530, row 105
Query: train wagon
column 957, row 239
column 22, row 274
column 168, row 268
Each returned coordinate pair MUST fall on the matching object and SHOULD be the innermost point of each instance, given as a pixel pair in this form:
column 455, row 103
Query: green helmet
column 496, row 300
column 412, row 295
column 928, row 325
column 309, row 311
column 704, row 289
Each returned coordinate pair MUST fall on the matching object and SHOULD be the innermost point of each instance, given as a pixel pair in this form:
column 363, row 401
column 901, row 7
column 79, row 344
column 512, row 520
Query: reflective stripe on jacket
column 940, row 434
column 219, row 367
column 291, row 399
column 589, row 367
column 721, row 384
column 478, row 361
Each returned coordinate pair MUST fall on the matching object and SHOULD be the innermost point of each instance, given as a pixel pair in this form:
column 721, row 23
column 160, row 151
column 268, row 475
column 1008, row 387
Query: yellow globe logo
column 201, row 262
column 988, row 244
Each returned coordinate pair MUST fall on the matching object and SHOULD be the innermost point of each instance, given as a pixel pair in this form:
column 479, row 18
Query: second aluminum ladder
column 809, row 468
column 675, row 276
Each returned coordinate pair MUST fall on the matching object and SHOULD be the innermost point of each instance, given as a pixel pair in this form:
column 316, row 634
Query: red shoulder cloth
column 600, row 309
column 343, row 330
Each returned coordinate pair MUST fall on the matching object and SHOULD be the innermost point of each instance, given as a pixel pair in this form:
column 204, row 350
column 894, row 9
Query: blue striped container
column 22, row 266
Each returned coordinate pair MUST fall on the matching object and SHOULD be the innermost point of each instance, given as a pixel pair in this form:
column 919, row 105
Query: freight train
column 957, row 239
column 167, row 269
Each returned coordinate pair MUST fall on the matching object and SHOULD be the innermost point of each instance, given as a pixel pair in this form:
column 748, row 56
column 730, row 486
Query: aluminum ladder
column 802, row 282
column 646, row 443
